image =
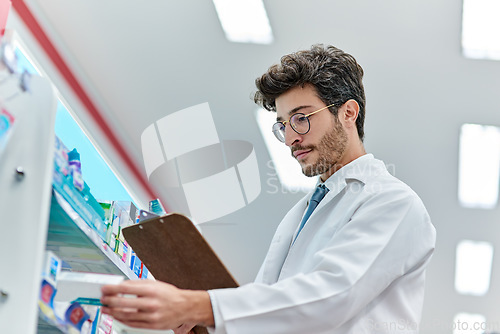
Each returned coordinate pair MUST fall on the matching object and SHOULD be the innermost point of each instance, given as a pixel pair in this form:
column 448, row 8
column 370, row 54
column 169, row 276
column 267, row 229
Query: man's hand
column 157, row 305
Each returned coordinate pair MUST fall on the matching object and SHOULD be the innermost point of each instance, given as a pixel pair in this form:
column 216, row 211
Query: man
column 354, row 263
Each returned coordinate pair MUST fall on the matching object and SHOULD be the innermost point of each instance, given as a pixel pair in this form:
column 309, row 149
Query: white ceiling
column 140, row 62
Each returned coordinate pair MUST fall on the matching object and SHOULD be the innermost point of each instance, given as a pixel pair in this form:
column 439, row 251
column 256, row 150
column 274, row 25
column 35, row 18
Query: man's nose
column 292, row 137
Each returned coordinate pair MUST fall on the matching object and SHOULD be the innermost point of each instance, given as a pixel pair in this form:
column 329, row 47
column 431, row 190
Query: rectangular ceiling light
column 284, row 168
column 244, row 21
column 479, row 166
column 481, row 29
column 473, row 267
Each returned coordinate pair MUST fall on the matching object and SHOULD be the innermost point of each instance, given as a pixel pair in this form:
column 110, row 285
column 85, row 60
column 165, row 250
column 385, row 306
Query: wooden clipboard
column 174, row 251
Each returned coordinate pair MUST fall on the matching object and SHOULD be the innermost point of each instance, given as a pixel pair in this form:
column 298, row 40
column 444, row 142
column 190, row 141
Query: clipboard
column 174, row 251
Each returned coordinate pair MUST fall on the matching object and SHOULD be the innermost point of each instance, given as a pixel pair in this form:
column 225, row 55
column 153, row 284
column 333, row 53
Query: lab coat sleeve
column 219, row 325
column 389, row 236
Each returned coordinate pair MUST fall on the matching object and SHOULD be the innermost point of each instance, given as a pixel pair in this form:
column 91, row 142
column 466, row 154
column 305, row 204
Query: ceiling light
column 473, row 267
column 244, row 21
column 479, row 166
column 481, row 29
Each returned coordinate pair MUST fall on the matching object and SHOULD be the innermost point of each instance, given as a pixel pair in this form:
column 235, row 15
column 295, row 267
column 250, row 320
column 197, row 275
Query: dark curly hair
column 335, row 74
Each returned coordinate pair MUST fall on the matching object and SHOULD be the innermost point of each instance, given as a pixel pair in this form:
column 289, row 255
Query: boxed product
column 126, row 215
column 51, row 268
column 61, row 157
column 84, row 288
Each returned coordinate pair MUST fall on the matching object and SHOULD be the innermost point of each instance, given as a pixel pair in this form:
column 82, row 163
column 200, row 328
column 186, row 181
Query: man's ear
column 350, row 113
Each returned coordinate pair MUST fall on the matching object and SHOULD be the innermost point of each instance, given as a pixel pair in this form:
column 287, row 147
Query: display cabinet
column 36, row 216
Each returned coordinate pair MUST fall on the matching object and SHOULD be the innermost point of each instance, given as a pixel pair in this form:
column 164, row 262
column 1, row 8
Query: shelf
column 76, row 243
column 46, row 328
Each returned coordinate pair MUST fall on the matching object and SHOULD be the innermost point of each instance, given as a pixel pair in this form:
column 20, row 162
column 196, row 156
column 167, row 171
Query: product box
column 122, row 250
column 156, row 207
column 126, row 206
column 132, row 258
column 107, row 207
column 126, row 250
column 112, row 243
column 51, row 268
column 84, row 288
column 126, row 215
column 138, row 267
column 75, row 316
column 61, row 157
column 145, row 272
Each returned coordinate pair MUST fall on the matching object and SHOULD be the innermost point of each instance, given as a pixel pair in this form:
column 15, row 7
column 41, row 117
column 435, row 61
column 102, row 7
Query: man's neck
column 350, row 155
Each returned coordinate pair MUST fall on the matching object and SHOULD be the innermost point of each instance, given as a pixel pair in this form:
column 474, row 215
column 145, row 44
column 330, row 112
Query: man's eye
column 302, row 119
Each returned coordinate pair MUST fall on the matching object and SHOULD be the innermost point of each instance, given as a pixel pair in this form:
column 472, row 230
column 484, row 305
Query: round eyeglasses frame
column 279, row 127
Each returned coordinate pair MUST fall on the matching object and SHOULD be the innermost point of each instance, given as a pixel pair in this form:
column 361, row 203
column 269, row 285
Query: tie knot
column 319, row 193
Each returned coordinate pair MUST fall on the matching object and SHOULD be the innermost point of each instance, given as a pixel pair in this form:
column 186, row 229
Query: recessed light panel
column 473, row 267
column 479, row 166
column 244, row 21
column 481, row 29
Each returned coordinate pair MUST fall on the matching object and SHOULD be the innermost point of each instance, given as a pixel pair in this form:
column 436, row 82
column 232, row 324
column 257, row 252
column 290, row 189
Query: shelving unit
column 35, row 217
column 76, row 243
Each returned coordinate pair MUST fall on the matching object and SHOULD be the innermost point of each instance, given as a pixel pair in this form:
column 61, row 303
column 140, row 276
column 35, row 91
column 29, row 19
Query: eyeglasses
column 298, row 122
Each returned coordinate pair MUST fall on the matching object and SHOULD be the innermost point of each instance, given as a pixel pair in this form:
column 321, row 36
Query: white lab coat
column 358, row 265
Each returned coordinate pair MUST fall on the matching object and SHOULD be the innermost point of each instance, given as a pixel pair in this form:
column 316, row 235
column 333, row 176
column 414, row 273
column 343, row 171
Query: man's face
column 320, row 151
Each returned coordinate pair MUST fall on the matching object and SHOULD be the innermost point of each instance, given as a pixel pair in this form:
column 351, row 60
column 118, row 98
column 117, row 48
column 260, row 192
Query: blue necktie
column 318, row 195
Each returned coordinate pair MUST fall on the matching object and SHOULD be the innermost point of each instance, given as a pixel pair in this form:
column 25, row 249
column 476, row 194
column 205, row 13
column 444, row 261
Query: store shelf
column 46, row 328
column 76, row 243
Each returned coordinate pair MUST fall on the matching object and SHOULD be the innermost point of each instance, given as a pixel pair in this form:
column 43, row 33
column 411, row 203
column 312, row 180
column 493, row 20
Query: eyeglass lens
column 299, row 123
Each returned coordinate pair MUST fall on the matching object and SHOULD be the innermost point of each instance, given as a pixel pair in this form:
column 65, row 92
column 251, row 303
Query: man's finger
column 127, row 316
column 134, row 303
column 143, row 324
column 132, row 287
column 137, row 324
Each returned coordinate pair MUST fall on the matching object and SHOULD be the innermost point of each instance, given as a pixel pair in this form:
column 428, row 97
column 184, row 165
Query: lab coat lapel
column 334, row 190
column 310, row 227
column 280, row 244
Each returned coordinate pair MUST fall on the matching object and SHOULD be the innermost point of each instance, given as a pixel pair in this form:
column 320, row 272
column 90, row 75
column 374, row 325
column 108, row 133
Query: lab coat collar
column 360, row 169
